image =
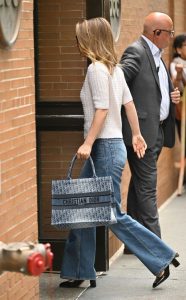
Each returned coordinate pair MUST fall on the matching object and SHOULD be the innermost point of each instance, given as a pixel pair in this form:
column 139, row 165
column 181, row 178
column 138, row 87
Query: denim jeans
column 109, row 156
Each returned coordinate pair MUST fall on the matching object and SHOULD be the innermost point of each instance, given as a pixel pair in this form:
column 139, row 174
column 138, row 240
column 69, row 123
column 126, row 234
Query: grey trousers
column 142, row 192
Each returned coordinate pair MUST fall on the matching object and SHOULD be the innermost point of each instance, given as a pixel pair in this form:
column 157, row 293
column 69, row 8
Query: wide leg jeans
column 109, row 156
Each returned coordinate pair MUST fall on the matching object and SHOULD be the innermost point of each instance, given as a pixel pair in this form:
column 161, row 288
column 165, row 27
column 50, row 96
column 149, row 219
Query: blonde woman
column 103, row 93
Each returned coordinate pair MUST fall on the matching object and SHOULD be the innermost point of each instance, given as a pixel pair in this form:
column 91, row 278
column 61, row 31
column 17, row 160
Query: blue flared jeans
column 109, row 156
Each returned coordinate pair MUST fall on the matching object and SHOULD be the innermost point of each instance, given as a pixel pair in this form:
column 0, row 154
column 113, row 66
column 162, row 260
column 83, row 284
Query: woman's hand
column 179, row 69
column 96, row 126
column 175, row 96
column 84, row 151
column 139, row 145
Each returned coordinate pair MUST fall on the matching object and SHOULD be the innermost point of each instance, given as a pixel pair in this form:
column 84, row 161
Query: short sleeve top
column 104, row 91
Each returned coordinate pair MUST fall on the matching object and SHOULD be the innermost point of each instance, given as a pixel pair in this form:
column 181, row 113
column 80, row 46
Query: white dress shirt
column 163, row 79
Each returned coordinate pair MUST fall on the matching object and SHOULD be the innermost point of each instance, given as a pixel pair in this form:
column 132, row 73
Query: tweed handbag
column 83, row 202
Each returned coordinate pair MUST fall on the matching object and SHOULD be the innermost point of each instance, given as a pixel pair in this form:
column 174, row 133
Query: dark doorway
column 59, row 73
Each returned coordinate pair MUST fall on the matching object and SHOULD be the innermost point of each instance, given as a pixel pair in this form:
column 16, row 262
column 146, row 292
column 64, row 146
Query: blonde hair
column 95, row 41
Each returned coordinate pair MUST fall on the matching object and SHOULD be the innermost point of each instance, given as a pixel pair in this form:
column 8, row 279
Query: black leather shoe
column 166, row 273
column 75, row 283
column 160, row 279
column 71, row 283
column 93, row 283
column 127, row 251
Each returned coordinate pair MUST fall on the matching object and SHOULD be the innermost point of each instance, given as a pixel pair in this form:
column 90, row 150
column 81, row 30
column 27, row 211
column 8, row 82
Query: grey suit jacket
column 142, row 78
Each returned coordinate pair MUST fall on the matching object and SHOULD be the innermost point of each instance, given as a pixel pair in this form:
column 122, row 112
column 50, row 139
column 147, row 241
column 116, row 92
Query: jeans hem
column 166, row 265
column 77, row 278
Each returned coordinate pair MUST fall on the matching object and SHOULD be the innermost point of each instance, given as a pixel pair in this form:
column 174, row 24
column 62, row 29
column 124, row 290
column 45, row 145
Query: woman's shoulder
column 118, row 70
column 98, row 67
column 177, row 60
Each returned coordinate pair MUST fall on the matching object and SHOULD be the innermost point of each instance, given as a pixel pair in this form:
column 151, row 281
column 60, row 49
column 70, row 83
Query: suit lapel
column 151, row 60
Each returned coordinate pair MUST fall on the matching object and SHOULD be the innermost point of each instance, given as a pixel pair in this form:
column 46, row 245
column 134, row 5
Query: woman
column 178, row 71
column 104, row 91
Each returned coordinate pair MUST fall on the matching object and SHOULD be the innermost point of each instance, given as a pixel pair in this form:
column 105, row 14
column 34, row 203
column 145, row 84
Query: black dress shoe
column 166, row 273
column 160, row 279
column 71, row 283
column 127, row 251
column 75, row 283
column 93, row 283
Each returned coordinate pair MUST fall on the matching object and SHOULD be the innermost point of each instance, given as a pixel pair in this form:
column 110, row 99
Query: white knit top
column 104, row 91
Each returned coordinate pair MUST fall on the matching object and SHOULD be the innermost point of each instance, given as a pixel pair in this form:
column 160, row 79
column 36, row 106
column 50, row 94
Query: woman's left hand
column 84, row 151
column 175, row 96
column 139, row 145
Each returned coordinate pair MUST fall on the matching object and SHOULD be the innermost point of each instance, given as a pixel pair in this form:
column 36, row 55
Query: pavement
column 128, row 278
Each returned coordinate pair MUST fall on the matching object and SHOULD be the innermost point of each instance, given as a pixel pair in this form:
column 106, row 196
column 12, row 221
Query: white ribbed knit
column 104, row 91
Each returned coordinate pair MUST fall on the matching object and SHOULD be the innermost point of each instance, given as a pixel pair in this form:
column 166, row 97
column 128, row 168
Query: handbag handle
column 72, row 164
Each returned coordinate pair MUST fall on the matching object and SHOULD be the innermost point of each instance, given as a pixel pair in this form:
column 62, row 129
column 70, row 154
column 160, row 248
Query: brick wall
column 61, row 68
column 18, row 202
column 179, row 16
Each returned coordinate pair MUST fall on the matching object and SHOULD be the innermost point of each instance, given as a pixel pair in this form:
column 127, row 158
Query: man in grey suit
column 154, row 98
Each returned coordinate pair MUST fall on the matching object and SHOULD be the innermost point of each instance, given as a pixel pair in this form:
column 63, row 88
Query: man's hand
column 139, row 145
column 175, row 96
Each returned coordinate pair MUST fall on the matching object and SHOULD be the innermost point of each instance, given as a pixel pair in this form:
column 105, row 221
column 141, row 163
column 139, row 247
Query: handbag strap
column 72, row 164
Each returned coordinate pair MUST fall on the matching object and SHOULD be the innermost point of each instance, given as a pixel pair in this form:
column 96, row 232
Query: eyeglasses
column 171, row 32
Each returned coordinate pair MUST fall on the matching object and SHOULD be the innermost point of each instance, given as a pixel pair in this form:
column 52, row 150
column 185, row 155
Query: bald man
column 154, row 98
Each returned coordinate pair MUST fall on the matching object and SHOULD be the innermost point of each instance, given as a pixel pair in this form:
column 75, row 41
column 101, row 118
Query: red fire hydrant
column 25, row 257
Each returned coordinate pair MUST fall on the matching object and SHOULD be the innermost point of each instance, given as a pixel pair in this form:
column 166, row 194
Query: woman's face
column 182, row 51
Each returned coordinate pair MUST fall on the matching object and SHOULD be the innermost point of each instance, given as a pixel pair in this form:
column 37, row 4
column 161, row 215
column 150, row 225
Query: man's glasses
column 171, row 32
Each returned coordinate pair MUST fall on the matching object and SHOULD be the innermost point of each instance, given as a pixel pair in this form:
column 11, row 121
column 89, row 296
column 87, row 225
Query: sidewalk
column 127, row 277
